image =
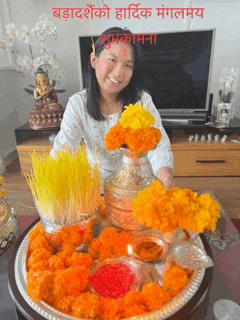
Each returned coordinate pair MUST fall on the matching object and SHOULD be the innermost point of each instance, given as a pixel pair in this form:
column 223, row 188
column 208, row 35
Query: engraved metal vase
column 120, row 188
column 9, row 225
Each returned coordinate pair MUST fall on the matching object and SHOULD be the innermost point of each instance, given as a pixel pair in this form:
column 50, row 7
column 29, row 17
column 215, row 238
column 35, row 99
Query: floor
column 226, row 189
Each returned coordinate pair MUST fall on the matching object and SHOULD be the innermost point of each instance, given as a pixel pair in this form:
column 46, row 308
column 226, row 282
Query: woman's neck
column 110, row 105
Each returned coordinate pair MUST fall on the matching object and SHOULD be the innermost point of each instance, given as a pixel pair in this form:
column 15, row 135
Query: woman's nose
column 118, row 70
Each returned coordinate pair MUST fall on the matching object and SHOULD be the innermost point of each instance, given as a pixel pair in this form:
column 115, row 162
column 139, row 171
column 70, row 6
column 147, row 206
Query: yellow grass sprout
column 66, row 189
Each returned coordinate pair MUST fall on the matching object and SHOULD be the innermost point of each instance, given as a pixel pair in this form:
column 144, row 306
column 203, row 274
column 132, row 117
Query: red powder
column 113, row 281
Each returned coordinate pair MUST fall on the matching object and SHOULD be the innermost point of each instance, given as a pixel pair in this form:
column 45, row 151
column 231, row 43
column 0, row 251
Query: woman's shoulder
column 145, row 97
column 82, row 95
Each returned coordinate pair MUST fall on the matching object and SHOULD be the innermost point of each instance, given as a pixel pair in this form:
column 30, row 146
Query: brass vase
column 120, row 188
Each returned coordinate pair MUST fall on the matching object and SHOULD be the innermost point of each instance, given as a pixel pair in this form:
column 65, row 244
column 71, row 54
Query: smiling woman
column 114, row 81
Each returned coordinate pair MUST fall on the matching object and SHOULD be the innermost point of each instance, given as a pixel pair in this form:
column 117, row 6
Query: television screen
column 175, row 70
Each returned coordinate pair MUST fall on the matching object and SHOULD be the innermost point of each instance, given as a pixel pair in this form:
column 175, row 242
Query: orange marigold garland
column 86, row 306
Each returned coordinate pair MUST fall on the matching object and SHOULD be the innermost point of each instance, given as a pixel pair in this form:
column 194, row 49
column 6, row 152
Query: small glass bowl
column 151, row 238
column 134, row 265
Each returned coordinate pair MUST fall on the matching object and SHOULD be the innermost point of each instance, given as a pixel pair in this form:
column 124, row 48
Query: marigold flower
column 56, row 263
column 39, row 259
column 79, row 259
column 64, row 304
column 143, row 139
column 166, row 210
column 39, row 230
column 72, row 234
column 71, row 281
column 110, row 309
column 40, row 285
column 135, row 310
column 175, row 279
column 86, row 306
column 115, row 138
column 40, row 242
column 151, row 290
column 136, row 117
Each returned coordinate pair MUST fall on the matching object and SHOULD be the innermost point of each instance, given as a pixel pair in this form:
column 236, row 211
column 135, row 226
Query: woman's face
column 114, row 68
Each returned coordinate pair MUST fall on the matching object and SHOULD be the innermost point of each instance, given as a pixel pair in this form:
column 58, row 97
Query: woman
column 113, row 82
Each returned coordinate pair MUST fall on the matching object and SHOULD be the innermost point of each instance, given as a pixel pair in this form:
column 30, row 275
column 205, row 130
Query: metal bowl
column 156, row 239
column 134, row 266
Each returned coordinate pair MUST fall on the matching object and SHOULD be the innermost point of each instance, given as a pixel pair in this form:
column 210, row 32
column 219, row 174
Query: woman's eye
column 111, row 59
column 129, row 66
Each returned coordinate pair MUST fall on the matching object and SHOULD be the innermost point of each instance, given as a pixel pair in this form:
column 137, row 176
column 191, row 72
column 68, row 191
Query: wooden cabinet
column 41, row 146
column 205, row 158
column 201, row 158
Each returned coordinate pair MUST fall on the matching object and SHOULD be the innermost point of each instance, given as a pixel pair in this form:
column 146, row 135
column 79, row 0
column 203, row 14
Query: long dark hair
column 131, row 94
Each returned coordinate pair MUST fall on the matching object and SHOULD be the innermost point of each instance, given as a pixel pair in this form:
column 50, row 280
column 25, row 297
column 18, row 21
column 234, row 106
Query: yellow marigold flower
column 136, row 117
column 3, row 193
column 1, row 180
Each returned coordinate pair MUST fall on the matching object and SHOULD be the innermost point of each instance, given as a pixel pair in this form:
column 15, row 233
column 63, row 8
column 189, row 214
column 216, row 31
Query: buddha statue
column 47, row 113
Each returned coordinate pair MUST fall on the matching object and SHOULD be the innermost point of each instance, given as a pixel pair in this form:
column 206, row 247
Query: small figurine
column 224, row 138
column 209, row 137
column 47, row 113
column 196, row 137
column 216, row 137
column 44, row 93
column 203, row 138
column 191, row 137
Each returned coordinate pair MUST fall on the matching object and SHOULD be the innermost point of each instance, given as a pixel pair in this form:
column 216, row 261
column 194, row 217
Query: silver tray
column 50, row 313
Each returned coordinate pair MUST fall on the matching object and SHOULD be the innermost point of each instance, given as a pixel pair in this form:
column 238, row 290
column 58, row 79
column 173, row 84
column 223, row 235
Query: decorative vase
column 120, row 188
column 8, row 224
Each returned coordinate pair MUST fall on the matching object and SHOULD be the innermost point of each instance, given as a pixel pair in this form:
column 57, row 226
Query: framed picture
column 224, row 112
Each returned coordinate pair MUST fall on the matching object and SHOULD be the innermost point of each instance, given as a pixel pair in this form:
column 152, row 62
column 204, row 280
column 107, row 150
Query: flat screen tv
column 176, row 70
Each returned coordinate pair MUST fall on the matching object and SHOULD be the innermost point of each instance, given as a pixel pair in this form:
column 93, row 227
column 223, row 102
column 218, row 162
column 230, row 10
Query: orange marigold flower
column 64, row 304
column 38, row 230
column 39, row 259
column 135, row 310
column 106, row 251
column 40, row 242
column 175, row 279
column 67, row 250
column 151, row 290
column 115, row 137
column 86, row 306
column 111, row 309
column 71, row 281
column 79, row 259
column 72, row 234
column 40, row 285
column 143, row 139
column 94, row 248
column 56, row 263
column 135, row 297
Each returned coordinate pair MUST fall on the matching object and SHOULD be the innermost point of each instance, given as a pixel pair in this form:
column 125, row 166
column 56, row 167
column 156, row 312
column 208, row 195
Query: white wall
column 222, row 15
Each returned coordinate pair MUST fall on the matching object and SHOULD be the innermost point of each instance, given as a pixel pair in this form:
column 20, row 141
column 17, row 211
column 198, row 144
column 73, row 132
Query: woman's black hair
column 131, row 94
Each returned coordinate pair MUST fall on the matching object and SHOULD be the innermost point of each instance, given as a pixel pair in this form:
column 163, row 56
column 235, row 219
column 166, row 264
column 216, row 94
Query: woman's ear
column 93, row 60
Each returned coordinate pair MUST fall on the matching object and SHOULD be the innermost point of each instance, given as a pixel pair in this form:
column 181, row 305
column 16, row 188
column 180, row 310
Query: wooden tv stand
column 201, row 158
